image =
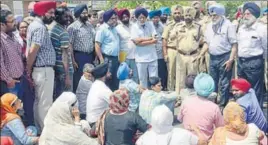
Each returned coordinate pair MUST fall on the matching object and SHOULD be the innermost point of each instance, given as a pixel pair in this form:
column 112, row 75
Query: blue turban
column 108, row 14
column 79, row 9
column 218, row 9
column 204, row 85
column 264, row 10
column 140, row 11
column 123, row 71
column 155, row 13
column 253, row 8
column 165, row 10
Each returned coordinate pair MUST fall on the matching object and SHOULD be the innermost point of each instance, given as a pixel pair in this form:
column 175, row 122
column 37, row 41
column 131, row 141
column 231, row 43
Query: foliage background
column 230, row 5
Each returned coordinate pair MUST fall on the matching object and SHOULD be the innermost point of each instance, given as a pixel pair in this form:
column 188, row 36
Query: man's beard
column 237, row 96
column 63, row 23
column 84, row 19
column 249, row 22
column 178, row 19
column 126, row 22
column 163, row 19
column 217, row 21
column 188, row 20
column 48, row 20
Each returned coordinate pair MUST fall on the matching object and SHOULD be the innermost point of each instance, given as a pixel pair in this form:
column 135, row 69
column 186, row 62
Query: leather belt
column 191, row 53
column 171, row 47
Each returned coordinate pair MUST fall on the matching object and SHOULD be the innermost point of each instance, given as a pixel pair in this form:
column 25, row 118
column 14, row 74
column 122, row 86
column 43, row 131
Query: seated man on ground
column 245, row 96
column 199, row 110
column 83, row 88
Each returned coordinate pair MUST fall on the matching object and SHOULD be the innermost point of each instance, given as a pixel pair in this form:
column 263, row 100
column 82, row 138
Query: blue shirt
column 133, row 92
column 253, row 112
column 144, row 53
column 109, row 39
column 16, row 130
column 37, row 33
column 220, row 42
column 159, row 30
column 60, row 40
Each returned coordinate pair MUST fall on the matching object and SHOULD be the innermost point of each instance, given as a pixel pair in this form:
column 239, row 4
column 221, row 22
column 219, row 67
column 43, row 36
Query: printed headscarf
column 7, row 112
column 119, row 101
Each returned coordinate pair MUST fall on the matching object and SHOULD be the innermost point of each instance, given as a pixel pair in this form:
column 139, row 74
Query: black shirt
column 120, row 129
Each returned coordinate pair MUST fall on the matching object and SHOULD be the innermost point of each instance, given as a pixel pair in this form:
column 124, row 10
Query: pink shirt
column 201, row 112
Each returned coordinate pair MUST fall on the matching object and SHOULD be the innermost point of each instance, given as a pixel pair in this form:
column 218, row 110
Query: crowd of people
column 117, row 77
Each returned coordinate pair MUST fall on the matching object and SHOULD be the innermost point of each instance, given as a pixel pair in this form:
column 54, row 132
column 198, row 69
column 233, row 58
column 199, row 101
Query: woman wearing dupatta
column 236, row 131
column 118, row 126
column 11, row 123
column 62, row 125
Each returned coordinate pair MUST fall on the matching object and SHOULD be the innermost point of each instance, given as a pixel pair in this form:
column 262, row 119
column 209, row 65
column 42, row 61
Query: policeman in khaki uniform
column 169, row 44
column 188, row 38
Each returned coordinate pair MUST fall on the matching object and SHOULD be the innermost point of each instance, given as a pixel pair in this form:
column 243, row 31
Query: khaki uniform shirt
column 188, row 37
column 169, row 34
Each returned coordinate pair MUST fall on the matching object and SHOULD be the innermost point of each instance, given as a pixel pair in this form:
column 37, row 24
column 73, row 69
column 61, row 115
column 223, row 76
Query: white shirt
column 97, row 100
column 126, row 44
column 178, row 136
column 252, row 41
column 145, row 53
column 220, row 42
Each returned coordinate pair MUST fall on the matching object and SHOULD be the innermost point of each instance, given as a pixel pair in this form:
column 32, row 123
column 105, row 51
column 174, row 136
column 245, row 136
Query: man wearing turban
column 107, row 46
column 245, row 96
column 252, row 49
column 165, row 14
column 127, row 46
column 221, row 43
column 159, row 27
column 209, row 114
column 143, row 34
column 206, row 19
column 188, row 33
column 41, row 58
column 81, row 34
column 170, row 44
column 197, row 5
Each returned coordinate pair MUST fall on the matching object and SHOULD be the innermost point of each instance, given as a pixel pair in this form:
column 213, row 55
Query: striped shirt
column 82, row 36
column 11, row 58
column 60, row 39
column 37, row 34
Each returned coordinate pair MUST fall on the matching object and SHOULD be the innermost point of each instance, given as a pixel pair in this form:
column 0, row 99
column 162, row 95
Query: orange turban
column 241, row 84
column 40, row 8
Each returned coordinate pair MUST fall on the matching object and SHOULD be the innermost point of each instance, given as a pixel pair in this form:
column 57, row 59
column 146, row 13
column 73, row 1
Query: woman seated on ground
column 118, row 126
column 199, row 110
column 62, row 124
column 163, row 133
column 11, row 123
column 154, row 97
column 236, row 131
